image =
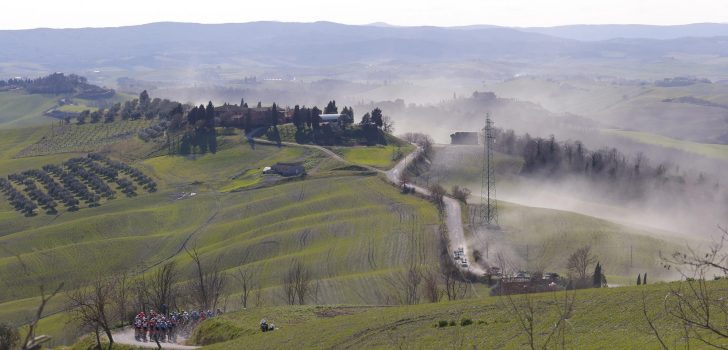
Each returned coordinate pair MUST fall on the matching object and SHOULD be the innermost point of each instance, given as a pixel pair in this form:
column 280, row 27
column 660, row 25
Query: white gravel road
column 126, row 336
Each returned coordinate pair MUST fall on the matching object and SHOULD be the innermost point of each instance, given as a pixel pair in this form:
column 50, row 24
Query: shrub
column 466, row 322
column 452, row 322
column 442, row 323
column 9, row 337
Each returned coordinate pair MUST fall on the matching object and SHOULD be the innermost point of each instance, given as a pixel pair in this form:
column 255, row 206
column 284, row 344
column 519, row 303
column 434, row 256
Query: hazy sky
column 21, row 14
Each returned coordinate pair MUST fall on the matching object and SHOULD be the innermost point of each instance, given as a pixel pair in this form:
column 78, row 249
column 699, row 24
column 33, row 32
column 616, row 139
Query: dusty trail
column 453, row 214
column 126, row 336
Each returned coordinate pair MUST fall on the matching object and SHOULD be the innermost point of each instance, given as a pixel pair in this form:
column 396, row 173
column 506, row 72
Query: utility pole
column 489, row 205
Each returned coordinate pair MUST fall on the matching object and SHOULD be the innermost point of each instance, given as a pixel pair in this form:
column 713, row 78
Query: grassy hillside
column 602, row 319
column 715, row 151
column 382, row 157
column 262, row 222
column 633, row 106
column 539, row 238
column 463, row 165
column 21, row 109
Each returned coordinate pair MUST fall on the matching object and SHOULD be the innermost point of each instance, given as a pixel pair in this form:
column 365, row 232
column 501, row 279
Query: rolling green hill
column 21, row 109
column 225, row 207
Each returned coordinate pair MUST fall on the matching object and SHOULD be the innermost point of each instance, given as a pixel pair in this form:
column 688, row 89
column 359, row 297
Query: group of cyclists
column 165, row 327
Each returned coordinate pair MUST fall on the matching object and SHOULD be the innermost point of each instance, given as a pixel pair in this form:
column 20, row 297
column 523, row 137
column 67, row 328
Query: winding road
column 453, row 213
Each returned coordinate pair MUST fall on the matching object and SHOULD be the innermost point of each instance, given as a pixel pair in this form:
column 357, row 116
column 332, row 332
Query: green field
column 89, row 137
column 602, row 319
column 715, row 151
column 382, row 157
column 324, row 220
column 21, row 109
column 76, row 108
column 537, row 238
column 540, row 239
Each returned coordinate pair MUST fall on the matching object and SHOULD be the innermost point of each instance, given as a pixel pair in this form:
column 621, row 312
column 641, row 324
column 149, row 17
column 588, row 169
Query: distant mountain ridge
column 318, row 44
column 600, row 32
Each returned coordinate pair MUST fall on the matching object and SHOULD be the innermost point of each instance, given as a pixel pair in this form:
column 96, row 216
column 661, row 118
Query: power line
column 489, row 205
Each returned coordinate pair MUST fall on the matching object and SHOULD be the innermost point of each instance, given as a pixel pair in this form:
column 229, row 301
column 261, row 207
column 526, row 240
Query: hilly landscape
column 323, row 185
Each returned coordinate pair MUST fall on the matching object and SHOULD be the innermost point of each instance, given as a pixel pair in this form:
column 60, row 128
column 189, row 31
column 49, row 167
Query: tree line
column 553, row 158
column 57, row 83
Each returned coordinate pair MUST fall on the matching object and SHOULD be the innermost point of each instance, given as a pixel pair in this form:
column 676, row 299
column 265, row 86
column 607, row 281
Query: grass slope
column 602, row 319
column 715, row 151
column 536, row 238
column 325, row 221
column 382, row 157
column 20, row 109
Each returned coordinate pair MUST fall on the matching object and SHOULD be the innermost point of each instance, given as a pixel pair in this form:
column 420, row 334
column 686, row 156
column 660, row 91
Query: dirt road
column 126, row 336
column 453, row 215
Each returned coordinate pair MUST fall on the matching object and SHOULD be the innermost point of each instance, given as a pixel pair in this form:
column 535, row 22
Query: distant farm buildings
column 286, row 169
column 236, row 116
column 330, row 118
column 464, row 138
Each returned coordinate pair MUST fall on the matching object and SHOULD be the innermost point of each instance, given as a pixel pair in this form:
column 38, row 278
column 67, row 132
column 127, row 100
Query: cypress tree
column 212, row 139
column 639, row 279
column 248, row 121
column 644, row 279
column 274, row 114
column 297, row 117
column 210, row 115
column 597, row 277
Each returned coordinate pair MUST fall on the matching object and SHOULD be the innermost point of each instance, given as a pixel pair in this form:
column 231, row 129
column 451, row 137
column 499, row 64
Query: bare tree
column 524, row 309
column 121, row 297
column 701, row 310
column 406, row 285
column 93, row 308
column 140, row 294
column 44, row 298
column 297, row 283
column 210, row 281
column 437, row 194
column 162, row 287
column 580, row 261
column 431, row 286
column 245, row 277
column 455, row 287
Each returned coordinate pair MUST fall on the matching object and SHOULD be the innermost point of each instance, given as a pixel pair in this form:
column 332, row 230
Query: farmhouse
column 464, row 138
column 286, row 169
column 233, row 115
